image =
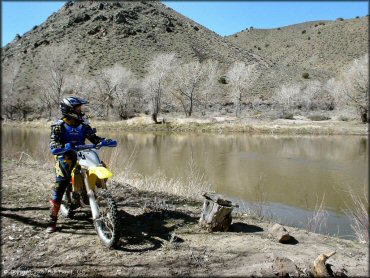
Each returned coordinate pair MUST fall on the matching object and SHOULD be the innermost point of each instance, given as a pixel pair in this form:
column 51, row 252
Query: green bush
column 279, row 28
column 304, row 31
column 309, row 38
column 305, row 75
column 340, row 18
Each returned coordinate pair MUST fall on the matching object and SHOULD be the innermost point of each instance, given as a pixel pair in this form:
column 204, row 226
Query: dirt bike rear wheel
column 107, row 225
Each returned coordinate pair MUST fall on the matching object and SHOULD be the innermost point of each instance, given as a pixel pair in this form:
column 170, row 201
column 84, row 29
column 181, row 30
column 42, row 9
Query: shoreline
column 219, row 125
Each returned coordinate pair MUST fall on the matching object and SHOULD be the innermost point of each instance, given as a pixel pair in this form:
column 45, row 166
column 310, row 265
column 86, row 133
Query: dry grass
column 191, row 186
column 160, row 183
column 358, row 212
column 258, row 209
column 317, row 221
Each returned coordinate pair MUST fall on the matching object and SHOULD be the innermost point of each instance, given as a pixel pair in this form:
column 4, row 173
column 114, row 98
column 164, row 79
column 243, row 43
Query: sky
column 223, row 17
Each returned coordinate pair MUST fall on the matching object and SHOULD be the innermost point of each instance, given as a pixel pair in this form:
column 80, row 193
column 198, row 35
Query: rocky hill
column 129, row 32
column 320, row 48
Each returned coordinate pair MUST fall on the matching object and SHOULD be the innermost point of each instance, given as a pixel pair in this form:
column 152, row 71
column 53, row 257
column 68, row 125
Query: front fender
column 100, row 172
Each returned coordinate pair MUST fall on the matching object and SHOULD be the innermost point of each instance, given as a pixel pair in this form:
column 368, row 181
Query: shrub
column 340, row 18
column 304, row 31
column 318, row 117
column 259, row 48
column 357, row 17
column 319, row 32
column 343, row 118
column 305, row 75
column 222, row 80
column 279, row 28
column 316, row 25
column 288, row 116
column 309, row 38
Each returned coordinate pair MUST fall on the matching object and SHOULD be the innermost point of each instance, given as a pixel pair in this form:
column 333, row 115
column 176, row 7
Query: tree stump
column 320, row 268
column 280, row 233
column 216, row 213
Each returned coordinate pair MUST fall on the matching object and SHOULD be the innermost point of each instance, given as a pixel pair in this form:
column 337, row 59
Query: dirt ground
column 160, row 237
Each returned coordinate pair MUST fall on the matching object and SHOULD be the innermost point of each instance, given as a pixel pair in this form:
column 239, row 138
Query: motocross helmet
column 68, row 104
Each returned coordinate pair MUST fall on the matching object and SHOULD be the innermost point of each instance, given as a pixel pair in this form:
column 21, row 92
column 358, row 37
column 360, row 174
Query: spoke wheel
column 107, row 223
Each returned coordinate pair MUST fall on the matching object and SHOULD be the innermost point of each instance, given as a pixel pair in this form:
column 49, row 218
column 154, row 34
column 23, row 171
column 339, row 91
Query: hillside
column 129, row 32
column 324, row 47
column 101, row 34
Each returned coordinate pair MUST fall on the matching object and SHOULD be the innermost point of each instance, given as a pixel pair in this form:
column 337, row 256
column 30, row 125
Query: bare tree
column 356, row 86
column 310, row 96
column 52, row 77
column 115, row 85
column 211, row 72
column 9, row 77
column 287, row 97
column 107, row 82
column 241, row 77
column 78, row 81
column 124, row 93
column 156, row 81
column 186, row 85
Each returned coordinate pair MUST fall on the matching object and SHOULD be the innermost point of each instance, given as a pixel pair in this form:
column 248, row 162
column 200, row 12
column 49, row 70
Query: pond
column 288, row 175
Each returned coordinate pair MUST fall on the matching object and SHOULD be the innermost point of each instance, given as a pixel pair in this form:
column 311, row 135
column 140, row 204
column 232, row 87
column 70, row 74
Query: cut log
column 320, row 269
column 280, row 233
column 216, row 213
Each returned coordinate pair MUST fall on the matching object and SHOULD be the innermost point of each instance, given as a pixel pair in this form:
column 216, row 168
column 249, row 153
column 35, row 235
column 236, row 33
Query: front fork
column 91, row 195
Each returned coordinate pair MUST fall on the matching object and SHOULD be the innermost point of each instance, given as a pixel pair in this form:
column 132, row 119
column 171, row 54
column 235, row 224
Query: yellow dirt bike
column 88, row 187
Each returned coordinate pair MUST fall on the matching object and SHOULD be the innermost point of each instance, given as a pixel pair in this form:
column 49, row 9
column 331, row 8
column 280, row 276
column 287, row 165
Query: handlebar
column 69, row 147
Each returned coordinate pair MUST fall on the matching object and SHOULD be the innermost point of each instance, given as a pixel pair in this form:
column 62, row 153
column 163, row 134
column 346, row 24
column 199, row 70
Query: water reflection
column 292, row 171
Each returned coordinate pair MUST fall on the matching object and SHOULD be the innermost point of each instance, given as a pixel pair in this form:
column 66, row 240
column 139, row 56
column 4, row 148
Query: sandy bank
column 160, row 237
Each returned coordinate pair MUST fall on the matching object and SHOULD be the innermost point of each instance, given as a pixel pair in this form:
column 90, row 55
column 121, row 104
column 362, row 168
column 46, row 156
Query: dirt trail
column 160, row 237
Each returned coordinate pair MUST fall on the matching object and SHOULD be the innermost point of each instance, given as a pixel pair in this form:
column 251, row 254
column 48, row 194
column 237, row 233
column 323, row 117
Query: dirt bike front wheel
column 107, row 224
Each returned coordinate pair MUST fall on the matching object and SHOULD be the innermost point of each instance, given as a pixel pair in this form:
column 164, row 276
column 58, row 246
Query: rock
column 123, row 16
column 79, row 19
column 280, row 233
column 285, row 267
column 100, row 18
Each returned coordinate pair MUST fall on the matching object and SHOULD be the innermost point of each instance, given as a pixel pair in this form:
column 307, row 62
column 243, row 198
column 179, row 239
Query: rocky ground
column 160, row 237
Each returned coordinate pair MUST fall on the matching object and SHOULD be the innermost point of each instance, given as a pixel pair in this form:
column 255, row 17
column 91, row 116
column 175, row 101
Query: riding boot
column 52, row 225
